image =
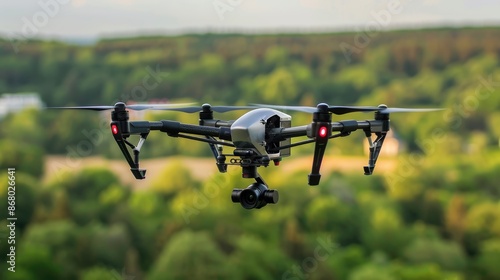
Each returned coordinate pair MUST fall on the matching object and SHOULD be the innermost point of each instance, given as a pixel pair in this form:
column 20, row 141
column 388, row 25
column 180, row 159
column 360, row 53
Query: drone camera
column 255, row 196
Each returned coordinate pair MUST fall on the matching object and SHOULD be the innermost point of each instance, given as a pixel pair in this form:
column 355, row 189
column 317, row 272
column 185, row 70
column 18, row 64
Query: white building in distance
column 15, row 102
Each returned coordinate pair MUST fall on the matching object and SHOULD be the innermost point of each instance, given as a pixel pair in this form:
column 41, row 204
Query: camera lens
column 249, row 197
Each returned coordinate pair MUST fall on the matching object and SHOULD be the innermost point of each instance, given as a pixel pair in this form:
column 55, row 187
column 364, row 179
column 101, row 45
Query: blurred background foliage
column 435, row 216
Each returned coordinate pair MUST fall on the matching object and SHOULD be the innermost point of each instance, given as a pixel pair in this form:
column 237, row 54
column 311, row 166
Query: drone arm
column 121, row 131
column 377, row 126
column 306, row 130
column 289, row 132
column 174, row 128
column 216, row 123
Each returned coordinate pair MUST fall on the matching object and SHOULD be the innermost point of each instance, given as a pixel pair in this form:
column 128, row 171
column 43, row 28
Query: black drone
column 258, row 137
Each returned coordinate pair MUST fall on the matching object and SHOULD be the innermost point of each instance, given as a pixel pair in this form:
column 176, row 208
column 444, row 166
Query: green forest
column 435, row 216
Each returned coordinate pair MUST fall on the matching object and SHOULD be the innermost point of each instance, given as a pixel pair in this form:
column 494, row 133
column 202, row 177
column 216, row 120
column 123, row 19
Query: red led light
column 114, row 129
column 323, row 132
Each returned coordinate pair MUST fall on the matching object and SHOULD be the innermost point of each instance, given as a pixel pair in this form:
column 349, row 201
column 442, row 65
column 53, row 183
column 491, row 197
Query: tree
column 98, row 273
column 24, row 192
column 455, row 218
column 91, row 194
column 489, row 258
column 26, row 158
column 191, row 255
column 255, row 260
column 23, row 127
column 35, row 262
column 294, row 243
column 174, row 178
column 108, row 245
column 77, row 134
column 385, row 232
column 424, row 271
column 332, row 215
column 372, row 272
column 59, row 241
column 278, row 87
column 448, row 255
column 347, row 260
column 482, row 223
column 276, row 56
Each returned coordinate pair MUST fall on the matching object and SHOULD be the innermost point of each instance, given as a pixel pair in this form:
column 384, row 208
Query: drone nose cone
column 120, row 106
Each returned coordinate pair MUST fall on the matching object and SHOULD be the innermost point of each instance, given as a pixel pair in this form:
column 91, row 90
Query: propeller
column 188, row 108
column 208, row 107
column 183, row 107
column 136, row 107
column 223, row 109
column 408, row 110
column 340, row 110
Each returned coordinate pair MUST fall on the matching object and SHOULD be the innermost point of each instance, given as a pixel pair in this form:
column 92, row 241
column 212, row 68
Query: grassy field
column 202, row 168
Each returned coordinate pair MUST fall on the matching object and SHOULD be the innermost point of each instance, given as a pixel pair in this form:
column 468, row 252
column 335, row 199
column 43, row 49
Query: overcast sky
column 98, row 18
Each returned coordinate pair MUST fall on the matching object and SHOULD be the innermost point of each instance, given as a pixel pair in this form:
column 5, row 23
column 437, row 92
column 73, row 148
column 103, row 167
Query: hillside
column 432, row 212
column 416, row 68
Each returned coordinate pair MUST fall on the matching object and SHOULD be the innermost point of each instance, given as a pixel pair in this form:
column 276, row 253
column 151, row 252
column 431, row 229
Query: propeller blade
column 195, row 109
column 224, row 109
column 218, row 109
column 92, row 108
column 135, row 107
column 139, row 107
column 408, row 110
column 305, row 109
column 340, row 110
column 189, row 109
